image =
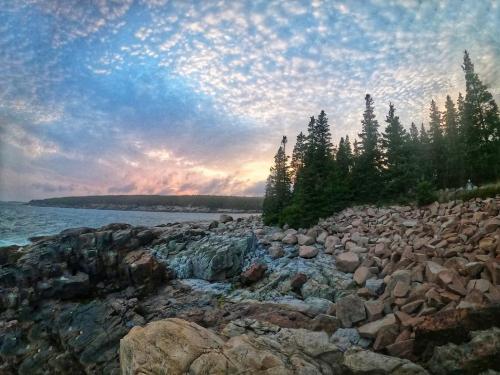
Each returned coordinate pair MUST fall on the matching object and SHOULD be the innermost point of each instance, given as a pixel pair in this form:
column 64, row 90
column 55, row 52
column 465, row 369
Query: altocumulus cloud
column 173, row 97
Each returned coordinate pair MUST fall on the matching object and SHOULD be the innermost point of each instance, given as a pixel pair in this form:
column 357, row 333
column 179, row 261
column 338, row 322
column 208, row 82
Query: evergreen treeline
column 388, row 162
column 212, row 202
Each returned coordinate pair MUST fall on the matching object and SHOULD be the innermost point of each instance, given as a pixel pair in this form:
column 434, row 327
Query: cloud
column 128, row 188
column 51, row 188
column 257, row 189
column 74, row 19
column 193, row 97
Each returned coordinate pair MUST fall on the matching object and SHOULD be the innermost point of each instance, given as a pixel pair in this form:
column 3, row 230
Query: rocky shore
column 394, row 290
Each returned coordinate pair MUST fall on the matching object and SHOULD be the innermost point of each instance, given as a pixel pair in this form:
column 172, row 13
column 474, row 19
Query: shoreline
column 173, row 209
column 23, row 221
column 374, row 285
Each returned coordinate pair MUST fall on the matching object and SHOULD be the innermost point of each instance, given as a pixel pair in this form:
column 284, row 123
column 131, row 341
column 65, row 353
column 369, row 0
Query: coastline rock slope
column 393, row 290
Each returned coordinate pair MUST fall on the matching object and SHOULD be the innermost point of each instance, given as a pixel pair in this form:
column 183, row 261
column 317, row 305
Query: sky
column 193, row 97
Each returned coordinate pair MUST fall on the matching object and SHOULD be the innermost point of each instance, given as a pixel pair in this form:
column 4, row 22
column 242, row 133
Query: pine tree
column 298, row 156
column 341, row 185
column 414, row 137
column 481, row 128
column 437, row 146
column 367, row 184
column 454, row 163
column 312, row 194
column 344, row 157
column 323, row 137
column 311, row 137
column 460, row 113
column 425, row 158
column 369, row 133
column 357, row 149
column 396, row 156
column 278, row 187
column 414, row 157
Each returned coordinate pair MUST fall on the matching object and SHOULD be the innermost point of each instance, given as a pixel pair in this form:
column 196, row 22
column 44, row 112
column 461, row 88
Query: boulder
column 493, row 267
column 386, row 336
column 370, row 330
column 312, row 288
column 479, row 354
column 491, row 225
column 212, row 258
column 254, row 273
column 375, row 286
column 72, row 286
column 331, row 242
column 487, row 244
column 347, row 262
column 165, row 347
column 413, row 306
column 326, row 323
column 10, row 254
column 350, row 309
column 361, row 274
column 289, row 239
column 176, row 347
column 374, row 309
column 362, row 362
column 359, row 240
column 276, row 251
column 303, row 239
column 308, row 252
column 143, row 269
column 453, row 326
column 322, row 237
column 317, row 305
column 297, row 281
column 402, row 349
column 432, row 270
column 225, row 218
column 410, row 223
column 346, row 338
column 401, row 289
column 277, row 236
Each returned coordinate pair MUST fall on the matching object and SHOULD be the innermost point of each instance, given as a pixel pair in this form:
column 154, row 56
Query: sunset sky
column 184, row 97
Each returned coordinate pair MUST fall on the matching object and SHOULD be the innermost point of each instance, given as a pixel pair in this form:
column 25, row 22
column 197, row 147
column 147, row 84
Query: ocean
column 19, row 222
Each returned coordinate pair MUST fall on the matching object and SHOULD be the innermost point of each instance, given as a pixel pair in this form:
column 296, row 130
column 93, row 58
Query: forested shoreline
column 460, row 144
column 201, row 203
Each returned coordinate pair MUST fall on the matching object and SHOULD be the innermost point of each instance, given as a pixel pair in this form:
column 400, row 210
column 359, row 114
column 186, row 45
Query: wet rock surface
column 394, row 290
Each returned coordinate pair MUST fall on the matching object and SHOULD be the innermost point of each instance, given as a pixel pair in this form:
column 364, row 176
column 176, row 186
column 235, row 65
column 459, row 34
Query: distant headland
column 160, row 203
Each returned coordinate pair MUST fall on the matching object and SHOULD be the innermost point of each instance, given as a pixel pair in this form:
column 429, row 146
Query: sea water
column 19, row 221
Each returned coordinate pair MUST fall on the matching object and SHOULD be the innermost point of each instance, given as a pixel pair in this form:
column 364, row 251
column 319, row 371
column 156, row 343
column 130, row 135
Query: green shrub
column 483, row 192
column 292, row 216
column 426, row 193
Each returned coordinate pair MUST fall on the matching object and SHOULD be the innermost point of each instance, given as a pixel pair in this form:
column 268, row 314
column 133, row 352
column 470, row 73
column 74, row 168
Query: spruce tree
column 367, row 184
column 344, row 157
column 437, row 147
column 453, row 147
column 396, row 156
column 414, row 157
column 414, row 137
column 323, row 136
column 341, row 185
column 460, row 113
column 481, row 128
column 425, row 158
column 312, row 195
column 298, row 156
column 356, row 149
column 278, row 187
